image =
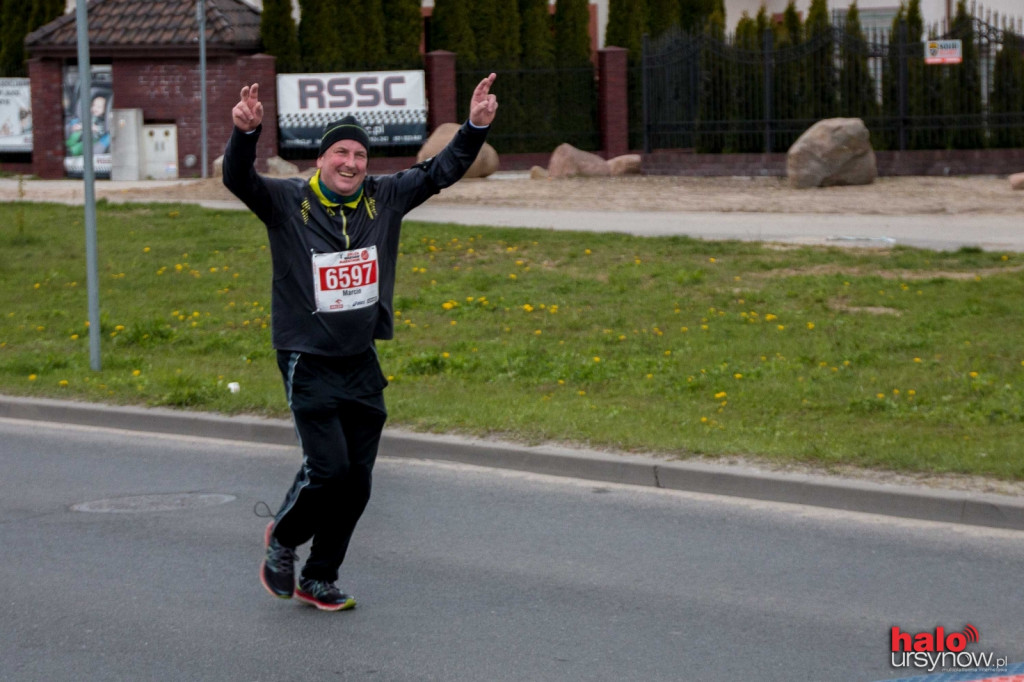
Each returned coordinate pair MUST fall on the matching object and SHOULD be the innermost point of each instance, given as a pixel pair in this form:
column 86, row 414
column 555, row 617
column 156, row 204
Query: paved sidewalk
column 995, row 511
column 940, row 231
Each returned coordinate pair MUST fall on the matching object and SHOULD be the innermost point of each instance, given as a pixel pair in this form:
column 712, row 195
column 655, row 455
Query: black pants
column 339, row 413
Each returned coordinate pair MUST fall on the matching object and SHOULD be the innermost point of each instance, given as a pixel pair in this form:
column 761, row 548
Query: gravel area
column 886, row 196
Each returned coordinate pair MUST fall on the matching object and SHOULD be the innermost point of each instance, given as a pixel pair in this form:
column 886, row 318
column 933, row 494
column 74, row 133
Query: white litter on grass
column 234, row 387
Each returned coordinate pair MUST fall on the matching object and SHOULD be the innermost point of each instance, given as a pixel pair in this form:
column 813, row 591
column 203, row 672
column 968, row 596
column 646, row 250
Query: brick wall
column 167, row 91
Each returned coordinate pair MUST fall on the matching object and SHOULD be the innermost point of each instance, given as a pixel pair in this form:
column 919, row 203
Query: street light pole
column 85, row 116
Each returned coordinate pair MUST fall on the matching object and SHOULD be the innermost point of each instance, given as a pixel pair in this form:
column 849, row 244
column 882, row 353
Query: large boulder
column 568, row 162
column 486, row 161
column 834, row 151
column 278, row 166
column 627, row 164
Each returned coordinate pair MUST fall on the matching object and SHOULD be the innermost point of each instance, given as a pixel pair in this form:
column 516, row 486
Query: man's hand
column 484, row 105
column 248, row 113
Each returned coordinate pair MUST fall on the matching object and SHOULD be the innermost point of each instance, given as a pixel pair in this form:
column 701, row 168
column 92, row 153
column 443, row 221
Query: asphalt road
column 462, row 573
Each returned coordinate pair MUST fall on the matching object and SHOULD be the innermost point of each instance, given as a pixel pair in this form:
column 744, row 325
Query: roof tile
column 155, row 23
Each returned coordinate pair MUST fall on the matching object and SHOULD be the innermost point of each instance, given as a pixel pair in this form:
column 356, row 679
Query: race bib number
column 346, row 280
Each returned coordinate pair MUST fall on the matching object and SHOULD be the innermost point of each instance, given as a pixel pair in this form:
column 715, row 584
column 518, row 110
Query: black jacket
column 301, row 224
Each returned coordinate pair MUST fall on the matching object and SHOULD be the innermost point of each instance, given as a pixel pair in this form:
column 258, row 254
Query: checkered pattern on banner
column 318, row 119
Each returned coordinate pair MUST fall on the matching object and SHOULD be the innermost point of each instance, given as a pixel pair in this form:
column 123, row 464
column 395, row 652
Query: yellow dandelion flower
column 973, row 375
column 63, row 383
column 597, row 359
column 737, row 375
column 528, row 308
column 880, row 396
column 145, row 249
column 810, row 325
column 720, row 395
column 32, row 377
column 136, row 372
column 917, row 359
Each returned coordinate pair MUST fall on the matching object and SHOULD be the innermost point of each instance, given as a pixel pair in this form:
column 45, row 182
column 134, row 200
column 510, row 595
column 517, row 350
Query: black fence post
column 768, row 77
column 644, row 54
column 904, row 84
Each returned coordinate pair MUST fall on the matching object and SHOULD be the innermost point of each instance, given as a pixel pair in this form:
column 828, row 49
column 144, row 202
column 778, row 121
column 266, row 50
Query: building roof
column 138, row 27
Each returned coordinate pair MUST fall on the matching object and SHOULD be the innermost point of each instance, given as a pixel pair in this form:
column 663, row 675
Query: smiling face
column 343, row 167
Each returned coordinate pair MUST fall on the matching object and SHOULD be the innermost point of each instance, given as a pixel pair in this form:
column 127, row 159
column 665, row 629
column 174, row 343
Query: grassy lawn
column 897, row 359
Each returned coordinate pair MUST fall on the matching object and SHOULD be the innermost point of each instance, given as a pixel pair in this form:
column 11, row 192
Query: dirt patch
column 886, row 196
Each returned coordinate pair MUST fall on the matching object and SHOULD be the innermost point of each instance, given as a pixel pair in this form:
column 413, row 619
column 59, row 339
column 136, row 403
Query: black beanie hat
column 347, row 128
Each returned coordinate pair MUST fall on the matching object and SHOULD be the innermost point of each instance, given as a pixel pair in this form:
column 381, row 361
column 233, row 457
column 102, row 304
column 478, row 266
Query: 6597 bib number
column 346, row 280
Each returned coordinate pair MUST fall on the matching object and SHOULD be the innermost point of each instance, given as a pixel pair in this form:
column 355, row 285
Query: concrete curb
column 969, row 508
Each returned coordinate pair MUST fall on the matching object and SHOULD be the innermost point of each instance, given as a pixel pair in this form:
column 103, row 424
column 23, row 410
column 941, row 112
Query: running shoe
column 278, row 570
column 324, row 595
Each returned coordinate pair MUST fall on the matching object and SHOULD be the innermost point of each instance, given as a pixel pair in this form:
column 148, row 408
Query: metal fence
column 713, row 95
column 540, row 108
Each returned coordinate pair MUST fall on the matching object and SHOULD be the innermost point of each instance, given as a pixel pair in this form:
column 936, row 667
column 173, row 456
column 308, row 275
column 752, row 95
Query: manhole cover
column 153, row 503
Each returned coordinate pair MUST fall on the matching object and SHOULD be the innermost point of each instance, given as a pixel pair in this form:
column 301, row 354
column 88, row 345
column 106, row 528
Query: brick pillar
column 441, row 91
column 262, row 69
column 613, row 110
column 47, row 118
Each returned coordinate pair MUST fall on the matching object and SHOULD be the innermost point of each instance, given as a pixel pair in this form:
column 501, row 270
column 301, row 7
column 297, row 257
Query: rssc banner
column 390, row 105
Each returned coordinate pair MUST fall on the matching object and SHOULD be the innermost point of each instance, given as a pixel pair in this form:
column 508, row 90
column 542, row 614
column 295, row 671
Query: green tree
column 347, row 23
column 822, row 79
column 964, row 86
column 280, row 35
column 662, row 16
column 572, row 33
column 14, row 15
column 482, row 17
column 1006, row 104
column 319, row 46
column 748, row 127
column 451, row 30
column 627, row 21
column 577, row 115
column 43, row 12
column 857, row 97
column 403, row 30
column 789, row 90
column 693, row 14
column 375, row 48
column 536, row 34
column 716, row 92
column 539, row 99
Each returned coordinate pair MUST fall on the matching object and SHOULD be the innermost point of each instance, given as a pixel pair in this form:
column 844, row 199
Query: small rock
column 568, row 162
column 628, row 164
column 538, row 173
column 1017, row 181
column 278, row 166
column 486, row 162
